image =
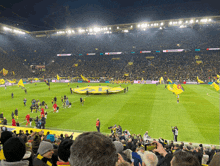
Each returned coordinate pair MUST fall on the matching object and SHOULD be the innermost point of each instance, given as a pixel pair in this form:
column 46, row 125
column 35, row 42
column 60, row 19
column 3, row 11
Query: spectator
column 215, row 160
column 44, row 154
column 64, row 152
column 141, row 152
column 182, row 158
column 87, row 150
column 14, row 151
column 149, row 159
column 136, row 156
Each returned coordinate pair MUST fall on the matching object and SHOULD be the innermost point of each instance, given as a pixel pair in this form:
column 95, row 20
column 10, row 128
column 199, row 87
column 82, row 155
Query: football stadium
column 146, row 91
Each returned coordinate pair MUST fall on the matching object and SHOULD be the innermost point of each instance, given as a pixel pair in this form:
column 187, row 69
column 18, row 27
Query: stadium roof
column 117, row 28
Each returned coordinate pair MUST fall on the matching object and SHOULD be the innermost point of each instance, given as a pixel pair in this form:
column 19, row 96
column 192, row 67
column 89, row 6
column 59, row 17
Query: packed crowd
column 119, row 148
column 18, row 53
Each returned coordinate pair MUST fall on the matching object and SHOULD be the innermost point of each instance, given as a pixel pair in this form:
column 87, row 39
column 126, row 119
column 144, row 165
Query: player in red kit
column 42, row 112
column 28, row 119
column 13, row 122
column 54, row 107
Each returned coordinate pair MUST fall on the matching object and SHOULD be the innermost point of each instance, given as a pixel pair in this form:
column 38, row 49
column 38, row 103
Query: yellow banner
column 20, row 83
column 126, row 74
column 75, row 65
column 98, row 90
column 5, row 72
column 177, row 89
column 199, row 62
column 115, row 58
column 84, row 78
column 130, row 63
column 168, row 80
column 12, row 81
column 199, row 81
column 215, row 86
column 2, row 81
column 161, row 80
column 58, row 77
column 149, row 57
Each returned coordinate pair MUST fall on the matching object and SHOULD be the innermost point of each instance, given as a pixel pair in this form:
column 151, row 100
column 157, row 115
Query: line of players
column 38, row 106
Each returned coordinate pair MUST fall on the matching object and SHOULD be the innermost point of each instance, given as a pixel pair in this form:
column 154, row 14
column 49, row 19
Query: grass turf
column 144, row 108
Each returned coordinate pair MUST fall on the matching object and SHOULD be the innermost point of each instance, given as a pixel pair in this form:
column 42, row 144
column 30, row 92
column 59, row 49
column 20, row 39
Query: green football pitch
column 143, row 108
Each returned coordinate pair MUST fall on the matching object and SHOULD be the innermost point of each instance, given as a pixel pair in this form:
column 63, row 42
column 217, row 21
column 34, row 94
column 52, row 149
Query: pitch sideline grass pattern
column 143, row 108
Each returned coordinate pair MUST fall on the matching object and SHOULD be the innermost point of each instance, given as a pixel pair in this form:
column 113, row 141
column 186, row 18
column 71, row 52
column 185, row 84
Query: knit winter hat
column 44, row 147
column 5, row 135
column 14, row 149
column 119, row 146
column 64, row 149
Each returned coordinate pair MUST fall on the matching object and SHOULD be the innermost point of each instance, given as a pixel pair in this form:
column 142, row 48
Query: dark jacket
column 42, row 162
column 5, row 122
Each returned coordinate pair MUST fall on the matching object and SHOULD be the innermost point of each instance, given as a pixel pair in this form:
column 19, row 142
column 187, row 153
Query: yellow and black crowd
column 120, row 148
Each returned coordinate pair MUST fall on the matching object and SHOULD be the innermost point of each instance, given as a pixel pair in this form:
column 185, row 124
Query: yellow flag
column 218, row 81
column 5, row 72
column 58, row 78
column 36, row 79
column 216, row 86
column 218, row 76
column 13, row 81
column 161, row 80
column 168, row 80
column 170, row 89
column 199, row 81
column 177, row 89
column 84, row 78
column 20, row 83
column 2, row 81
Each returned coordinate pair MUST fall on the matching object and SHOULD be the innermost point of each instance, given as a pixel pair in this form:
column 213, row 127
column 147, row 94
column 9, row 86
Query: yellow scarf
column 41, row 157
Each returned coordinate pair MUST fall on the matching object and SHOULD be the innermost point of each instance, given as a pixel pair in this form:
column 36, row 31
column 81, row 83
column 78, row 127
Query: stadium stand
column 18, row 53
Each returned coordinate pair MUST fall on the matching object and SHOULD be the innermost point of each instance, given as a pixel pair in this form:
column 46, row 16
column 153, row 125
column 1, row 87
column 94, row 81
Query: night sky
column 57, row 14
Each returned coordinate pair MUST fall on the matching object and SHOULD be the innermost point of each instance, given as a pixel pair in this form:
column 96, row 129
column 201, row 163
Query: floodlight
column 138, row 25
column 19, row 32
column 161, row 28
column 155, row 24
column 161, row 23
column 131, row 26
column 210, row 19
column 81, row 30
column 126, row 31
column 69, row 31
column 117, row 27
column 7, row 29
column 142, row 25
column 187, row 21
column 191, row 21
column 203, row 20
column 73, row 31
column 109, row 28
column 197, row 20
column 96, row 29
column 170, row 23
column 152, row 24
column 180, row 22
